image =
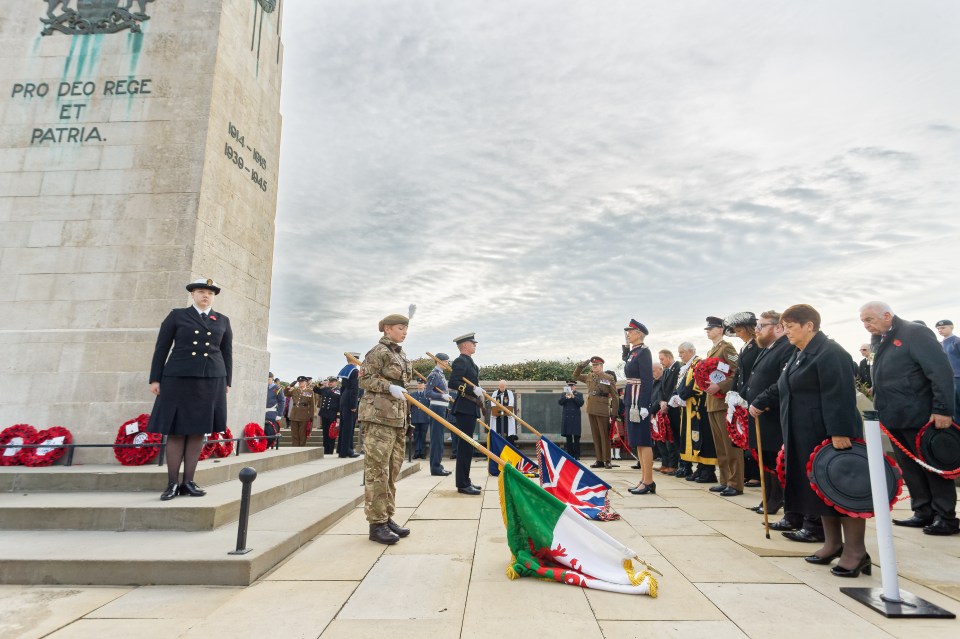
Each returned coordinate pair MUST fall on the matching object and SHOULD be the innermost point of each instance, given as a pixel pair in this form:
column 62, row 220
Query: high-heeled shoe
column 823, row 561
column 172, row 490
column 865, row 566
column 650, row 488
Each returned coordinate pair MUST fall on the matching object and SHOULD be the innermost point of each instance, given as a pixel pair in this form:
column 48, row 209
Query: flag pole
column 763, row 485
column 453, row 429
column 492, row 400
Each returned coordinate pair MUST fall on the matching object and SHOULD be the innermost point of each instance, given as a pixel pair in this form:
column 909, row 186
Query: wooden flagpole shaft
column 420, row 375
column 492, row 400
column 453, row 429
column 763, row 485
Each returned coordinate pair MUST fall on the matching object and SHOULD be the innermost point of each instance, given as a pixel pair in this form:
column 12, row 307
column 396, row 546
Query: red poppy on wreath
column 897, row 342
column 660, row 427
column 782, row 468
column 713, row 370
column 256, row 438
column 224, row 445
column 11, row 440
column 51, row 447
column 135, row 432
column 738, row 426
column 209, row 446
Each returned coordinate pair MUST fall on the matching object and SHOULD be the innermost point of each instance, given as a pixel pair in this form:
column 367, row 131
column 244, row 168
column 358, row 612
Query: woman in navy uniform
column 637, row 396
column 191, row 384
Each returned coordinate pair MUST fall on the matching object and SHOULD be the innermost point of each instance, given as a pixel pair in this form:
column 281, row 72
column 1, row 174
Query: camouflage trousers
column 383, row 448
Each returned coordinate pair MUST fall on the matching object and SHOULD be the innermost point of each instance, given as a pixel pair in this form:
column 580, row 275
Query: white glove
column 743, row 403
column 675, row 401
column 478, row 391
column 397, row 391
column 643, row 413
column 447, row 397
column 732, row 398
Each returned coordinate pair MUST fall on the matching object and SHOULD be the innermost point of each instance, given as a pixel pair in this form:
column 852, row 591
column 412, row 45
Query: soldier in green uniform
column 729, row 457
column 601, row 399
column 383, row 413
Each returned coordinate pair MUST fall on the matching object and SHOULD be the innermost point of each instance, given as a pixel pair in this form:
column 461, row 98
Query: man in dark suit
column 668, row 385
column 349, row 400
column 466, row 407
column 328, row 412
column 913, row 385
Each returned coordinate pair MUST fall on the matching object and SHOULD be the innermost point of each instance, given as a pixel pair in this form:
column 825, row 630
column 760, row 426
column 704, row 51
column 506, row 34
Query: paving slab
column 355, row 523
column 393, row 628
column 664, row 521
column 139, row 628
column 918, row 562
column 709, row 508
column 749, row 533
column 276, row 609
column 787, row 611
column 717, row 559
column 330, row 558
column 670, row 629
column 445, row 536
column 491, row 555
column 29, row 612
column 447, row 503
column 434, row 586
column 166, row 602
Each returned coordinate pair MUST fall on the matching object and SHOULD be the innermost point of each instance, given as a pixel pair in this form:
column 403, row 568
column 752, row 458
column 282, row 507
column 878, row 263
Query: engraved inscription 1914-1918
column 93, row 16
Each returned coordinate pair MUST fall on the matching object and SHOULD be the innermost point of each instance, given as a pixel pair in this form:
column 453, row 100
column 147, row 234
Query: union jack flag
column 569, row 481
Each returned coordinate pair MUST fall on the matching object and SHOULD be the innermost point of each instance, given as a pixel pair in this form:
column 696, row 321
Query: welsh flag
column 550, row 540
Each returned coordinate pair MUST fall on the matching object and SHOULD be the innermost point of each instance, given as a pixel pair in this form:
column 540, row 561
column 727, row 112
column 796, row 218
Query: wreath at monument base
column 134, row 431
column 258, row 441
column 224, row 447
column 209, row 446
column 52, row 446
column 11, row 439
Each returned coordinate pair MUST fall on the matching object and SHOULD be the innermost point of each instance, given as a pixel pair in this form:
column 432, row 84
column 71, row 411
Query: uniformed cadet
column 729, row 457
column 191, row 385
column 303, row 405
column 383, row 416
column 601, row 400
column 329, row 411
column 349, row 401
column 467, row 407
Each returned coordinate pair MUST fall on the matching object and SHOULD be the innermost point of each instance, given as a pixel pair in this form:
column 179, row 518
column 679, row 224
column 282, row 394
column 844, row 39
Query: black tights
column 183, row 449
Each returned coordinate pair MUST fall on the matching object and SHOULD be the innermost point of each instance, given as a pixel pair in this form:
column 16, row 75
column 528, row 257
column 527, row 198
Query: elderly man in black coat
column 913, row 385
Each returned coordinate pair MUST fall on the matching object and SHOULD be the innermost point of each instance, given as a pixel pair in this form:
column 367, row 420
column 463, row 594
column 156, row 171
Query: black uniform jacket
column 464, row 369
column 912, row 377
column 570, row 414
column 761, row 391
column 748, row 358
column 201, row 348
column 329, row 402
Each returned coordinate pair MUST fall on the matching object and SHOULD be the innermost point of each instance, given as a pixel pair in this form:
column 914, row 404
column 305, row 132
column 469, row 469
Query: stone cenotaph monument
column 139, row 149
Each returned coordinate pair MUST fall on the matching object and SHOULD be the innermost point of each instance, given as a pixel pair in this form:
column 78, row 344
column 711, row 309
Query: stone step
column 125, row 511
column 152, row 478
column 175, row 557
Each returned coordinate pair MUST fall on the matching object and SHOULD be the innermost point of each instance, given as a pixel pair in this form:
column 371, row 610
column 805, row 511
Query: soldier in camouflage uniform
column 383, row 414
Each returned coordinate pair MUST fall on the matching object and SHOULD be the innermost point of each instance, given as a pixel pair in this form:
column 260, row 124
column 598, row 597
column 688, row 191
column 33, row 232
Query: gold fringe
column 502, row 494
column 511, row 573
column 637, row 579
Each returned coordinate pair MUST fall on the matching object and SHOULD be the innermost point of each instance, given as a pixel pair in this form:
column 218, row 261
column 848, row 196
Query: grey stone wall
column 99, row 232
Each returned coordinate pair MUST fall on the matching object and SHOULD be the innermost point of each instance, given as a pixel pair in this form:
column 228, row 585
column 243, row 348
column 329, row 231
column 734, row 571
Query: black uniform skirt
column 638, row 433
column 190, row 406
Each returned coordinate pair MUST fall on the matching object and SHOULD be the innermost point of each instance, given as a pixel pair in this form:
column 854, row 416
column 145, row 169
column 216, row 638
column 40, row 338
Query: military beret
column 443, row 357
column 713, row 322
column 392, row 320
column 466, row 337
column 634, row 324
column 204, row 283
column 596, row 359
column 944, row 323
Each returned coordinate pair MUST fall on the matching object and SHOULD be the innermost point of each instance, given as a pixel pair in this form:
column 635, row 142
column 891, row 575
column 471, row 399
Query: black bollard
column 247, row 475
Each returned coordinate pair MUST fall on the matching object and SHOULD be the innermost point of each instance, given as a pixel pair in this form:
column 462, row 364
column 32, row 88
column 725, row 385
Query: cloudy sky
column 542, row 171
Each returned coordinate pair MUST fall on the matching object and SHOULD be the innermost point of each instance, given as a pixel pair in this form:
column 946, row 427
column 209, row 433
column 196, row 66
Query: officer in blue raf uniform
column 191, row 384
column 466, row 407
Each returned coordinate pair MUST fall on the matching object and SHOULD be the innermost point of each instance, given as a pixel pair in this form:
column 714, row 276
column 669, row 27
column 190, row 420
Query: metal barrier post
column 163, row 451
column 247, row 475
column 69, row 460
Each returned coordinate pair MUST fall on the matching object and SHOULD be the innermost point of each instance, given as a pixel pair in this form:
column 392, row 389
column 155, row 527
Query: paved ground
column 721, row 579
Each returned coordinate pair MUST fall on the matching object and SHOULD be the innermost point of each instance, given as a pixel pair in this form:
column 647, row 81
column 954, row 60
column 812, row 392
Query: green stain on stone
column 134, row 47
column 69, row 60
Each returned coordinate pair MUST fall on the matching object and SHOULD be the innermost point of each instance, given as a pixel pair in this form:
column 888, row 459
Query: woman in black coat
column 572, row 401
column 191, row 384
column 818, row 402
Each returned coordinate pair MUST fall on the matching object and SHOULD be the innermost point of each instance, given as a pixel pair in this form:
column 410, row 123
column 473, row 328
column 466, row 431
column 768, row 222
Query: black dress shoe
column 469, row 490
column 718, row 489
column 353, row 455
column 707, row 479
column 597, row 464
column 173, row 489
column 823, row 561
column 804, row 535
column 636, row 466
column 730, row 492
column 865, row 566
column 647, row 489
column 441, row 473
column 692, row 477
column 913, row 522
column 474, row 486
column 609, row 465
column 682, row 472
column 782, row 526
column 381, row 534
column 397, row 529
column 191, row 489
column 940, row 527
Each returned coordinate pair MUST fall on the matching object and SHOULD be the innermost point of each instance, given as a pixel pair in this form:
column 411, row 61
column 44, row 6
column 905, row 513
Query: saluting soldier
column 192, row 384
column 601, row 399
column 303, row 405
column 328, row 412
column 383, row 416
column 467, row 407
column 729, row 457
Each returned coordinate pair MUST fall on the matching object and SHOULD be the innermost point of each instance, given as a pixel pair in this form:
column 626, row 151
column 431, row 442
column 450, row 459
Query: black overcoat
column 570, row 415
column 912, row 377
column 818, row 400
column 463, row 370
column 761, row 391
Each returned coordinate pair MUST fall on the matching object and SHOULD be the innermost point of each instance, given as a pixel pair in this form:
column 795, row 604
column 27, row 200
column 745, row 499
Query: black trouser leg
column 576, row 446
column 467, row 424
column 930, row 494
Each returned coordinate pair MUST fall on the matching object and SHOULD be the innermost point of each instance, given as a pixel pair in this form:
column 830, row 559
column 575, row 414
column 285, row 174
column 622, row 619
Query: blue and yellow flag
column 508, row 453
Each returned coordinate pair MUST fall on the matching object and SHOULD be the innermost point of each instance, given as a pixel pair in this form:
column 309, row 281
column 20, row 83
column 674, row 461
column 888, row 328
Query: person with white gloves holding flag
column 467, row 407
column 383, row 414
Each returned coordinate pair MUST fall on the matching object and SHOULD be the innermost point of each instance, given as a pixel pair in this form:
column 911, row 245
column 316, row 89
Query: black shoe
column 753, row 483
column 173, row 489
column 940, row 527
column 707, row 479
column 609, row 465
column 805, row 536
column 597, row 464
column 913, row 522
column 682, row 472
column 782, row 526
column 190, row 488
column 823, row 561
column 636, row 466
column 474, row 486
column 865, row 566
column 730, row 492
column 381, row 534
column 692, row 477
column 440, row 473
column 469, row 490
column 718, row 489
column 353, row 455
column 648, row 489
column 397, row 529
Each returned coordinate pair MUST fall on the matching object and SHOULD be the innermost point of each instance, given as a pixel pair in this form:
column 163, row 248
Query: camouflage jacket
column 385, row 364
